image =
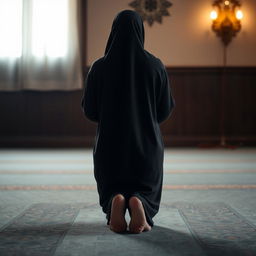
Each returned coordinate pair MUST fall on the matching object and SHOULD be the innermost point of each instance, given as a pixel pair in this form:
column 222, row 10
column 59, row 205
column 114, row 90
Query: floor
column 49, row 205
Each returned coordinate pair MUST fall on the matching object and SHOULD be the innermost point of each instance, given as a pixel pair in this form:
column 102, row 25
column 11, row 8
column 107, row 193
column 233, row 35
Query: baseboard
column 88, row 141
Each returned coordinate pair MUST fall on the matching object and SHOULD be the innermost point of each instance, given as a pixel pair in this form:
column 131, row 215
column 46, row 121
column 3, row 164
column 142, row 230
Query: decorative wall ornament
column 151, row 10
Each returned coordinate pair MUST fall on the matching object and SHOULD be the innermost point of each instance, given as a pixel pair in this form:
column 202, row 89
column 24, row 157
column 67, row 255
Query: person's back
column 128, row 94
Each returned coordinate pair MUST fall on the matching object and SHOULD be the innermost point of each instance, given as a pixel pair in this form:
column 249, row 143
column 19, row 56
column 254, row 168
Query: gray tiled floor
column 70, row 222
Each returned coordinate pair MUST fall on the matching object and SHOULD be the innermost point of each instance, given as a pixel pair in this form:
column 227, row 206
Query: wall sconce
column 226, row 17
column 226, row 23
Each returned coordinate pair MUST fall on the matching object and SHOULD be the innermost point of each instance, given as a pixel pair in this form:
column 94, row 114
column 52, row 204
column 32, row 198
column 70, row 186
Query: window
column 49, row 33
column 10, row 28
column 39, row 47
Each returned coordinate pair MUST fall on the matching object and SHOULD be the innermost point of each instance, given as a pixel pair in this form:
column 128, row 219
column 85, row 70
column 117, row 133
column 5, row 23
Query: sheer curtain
column 39, row 46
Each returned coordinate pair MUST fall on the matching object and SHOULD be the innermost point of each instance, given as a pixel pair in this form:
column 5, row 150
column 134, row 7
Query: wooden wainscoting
column 54, row 118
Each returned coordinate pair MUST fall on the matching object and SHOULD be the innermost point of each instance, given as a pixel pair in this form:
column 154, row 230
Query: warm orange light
column 226, row 19
column 239, row 14
column 213, row 15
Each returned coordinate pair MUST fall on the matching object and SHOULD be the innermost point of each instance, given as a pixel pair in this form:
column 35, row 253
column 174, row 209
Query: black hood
column 127, row 33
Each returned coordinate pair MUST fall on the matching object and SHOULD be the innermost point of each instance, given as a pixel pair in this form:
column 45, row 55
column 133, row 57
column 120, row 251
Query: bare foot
column 138, row 221
column 117, row 220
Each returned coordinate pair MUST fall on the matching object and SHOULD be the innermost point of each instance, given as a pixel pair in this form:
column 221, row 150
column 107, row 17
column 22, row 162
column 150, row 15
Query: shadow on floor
column 95, row 238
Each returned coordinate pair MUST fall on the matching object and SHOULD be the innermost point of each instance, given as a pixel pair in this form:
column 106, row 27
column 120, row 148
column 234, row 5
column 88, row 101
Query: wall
column 55, row 119
column 183, row 39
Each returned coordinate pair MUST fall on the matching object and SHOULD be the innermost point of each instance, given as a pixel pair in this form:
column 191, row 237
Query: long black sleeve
column 89, row 101
column 165, row 100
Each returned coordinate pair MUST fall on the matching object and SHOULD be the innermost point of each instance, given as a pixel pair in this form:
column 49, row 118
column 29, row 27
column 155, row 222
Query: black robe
column 127, row 93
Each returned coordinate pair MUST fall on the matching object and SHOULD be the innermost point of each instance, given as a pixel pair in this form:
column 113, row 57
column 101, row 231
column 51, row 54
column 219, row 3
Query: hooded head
column 127, row 32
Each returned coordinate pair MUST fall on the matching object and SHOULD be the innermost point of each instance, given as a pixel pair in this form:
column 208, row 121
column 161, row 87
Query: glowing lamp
column 239, row 14
column 214, row 15
column 226, row 19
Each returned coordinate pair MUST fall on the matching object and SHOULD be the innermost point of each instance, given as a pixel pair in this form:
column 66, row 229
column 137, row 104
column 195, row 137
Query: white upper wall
column 183, row 39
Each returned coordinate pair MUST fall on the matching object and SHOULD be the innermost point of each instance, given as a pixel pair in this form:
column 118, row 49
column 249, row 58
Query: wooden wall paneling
column 241, row 102
column 197, row 97
column 55, row 118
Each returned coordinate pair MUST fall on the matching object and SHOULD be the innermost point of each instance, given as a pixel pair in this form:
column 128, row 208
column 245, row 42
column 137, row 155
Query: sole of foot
column 117, row 218
column 138, row 221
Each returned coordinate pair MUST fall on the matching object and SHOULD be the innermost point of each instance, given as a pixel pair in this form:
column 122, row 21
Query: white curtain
column 39, row 45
